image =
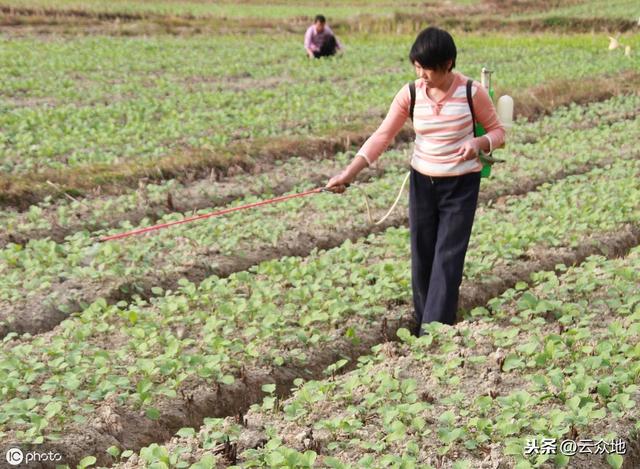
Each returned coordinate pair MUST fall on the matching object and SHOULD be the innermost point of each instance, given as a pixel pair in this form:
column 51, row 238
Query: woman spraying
column 445, row 170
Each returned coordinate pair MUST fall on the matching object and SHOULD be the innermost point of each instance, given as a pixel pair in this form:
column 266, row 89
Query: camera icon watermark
column 14, row 456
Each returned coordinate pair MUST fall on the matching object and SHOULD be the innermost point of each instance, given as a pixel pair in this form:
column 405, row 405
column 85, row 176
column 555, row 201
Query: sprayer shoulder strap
column 470, row 101
column 412, row 93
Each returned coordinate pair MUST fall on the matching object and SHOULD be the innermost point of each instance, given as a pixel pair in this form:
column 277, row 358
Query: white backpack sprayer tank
column 504, row 110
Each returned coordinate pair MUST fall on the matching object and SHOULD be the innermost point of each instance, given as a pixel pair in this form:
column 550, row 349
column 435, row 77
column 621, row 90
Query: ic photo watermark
column 16, row 456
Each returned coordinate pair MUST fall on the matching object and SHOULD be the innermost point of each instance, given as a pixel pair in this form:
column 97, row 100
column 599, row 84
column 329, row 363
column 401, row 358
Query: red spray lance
column 217, row 213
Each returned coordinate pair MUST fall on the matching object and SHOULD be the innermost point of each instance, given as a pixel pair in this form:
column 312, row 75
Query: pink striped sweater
column 441, row 127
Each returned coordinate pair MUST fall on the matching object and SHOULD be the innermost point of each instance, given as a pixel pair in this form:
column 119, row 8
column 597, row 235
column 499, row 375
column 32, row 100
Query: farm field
column 148, row 116
column 599, row 8
column 45, row 280
column 553, row 359
column 279, row 336
column 63, row 216
column 253, row 8
column 181, row 354
column 352, row 14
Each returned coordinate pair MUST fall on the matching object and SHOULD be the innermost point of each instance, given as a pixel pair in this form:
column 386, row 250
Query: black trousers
column 441, row 213
column 328, row 48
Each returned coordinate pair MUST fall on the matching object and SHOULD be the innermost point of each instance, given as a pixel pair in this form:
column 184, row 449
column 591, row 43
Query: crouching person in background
column 319, row 40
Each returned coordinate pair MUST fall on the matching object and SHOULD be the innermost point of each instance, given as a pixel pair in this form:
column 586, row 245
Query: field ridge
column 114, row 425
column 34, row 316
column 21, row 191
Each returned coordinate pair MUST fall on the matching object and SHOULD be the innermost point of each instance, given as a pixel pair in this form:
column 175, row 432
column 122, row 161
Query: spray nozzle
column 485, row 78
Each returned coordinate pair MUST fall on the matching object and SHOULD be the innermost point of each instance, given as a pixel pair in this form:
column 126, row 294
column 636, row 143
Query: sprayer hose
column 395, row 203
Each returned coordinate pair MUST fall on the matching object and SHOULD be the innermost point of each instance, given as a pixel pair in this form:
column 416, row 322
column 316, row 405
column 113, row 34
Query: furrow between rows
column 198, row 351
column 556, row 359
column 312, row 226
column 61, row 218
column 123, row 428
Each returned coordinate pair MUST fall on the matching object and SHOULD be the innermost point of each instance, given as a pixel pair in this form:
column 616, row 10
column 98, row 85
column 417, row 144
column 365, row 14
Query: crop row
column 110, row 100
column 623, row 9
column 62, row 217
column 44, row 280
column 57, row 219
column 334, row 10
column 557, row 360
column 278, row 315
column 227, row 9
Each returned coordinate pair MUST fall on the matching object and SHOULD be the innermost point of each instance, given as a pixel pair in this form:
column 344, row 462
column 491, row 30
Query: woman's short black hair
column 433, row 48
column 320, row 19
